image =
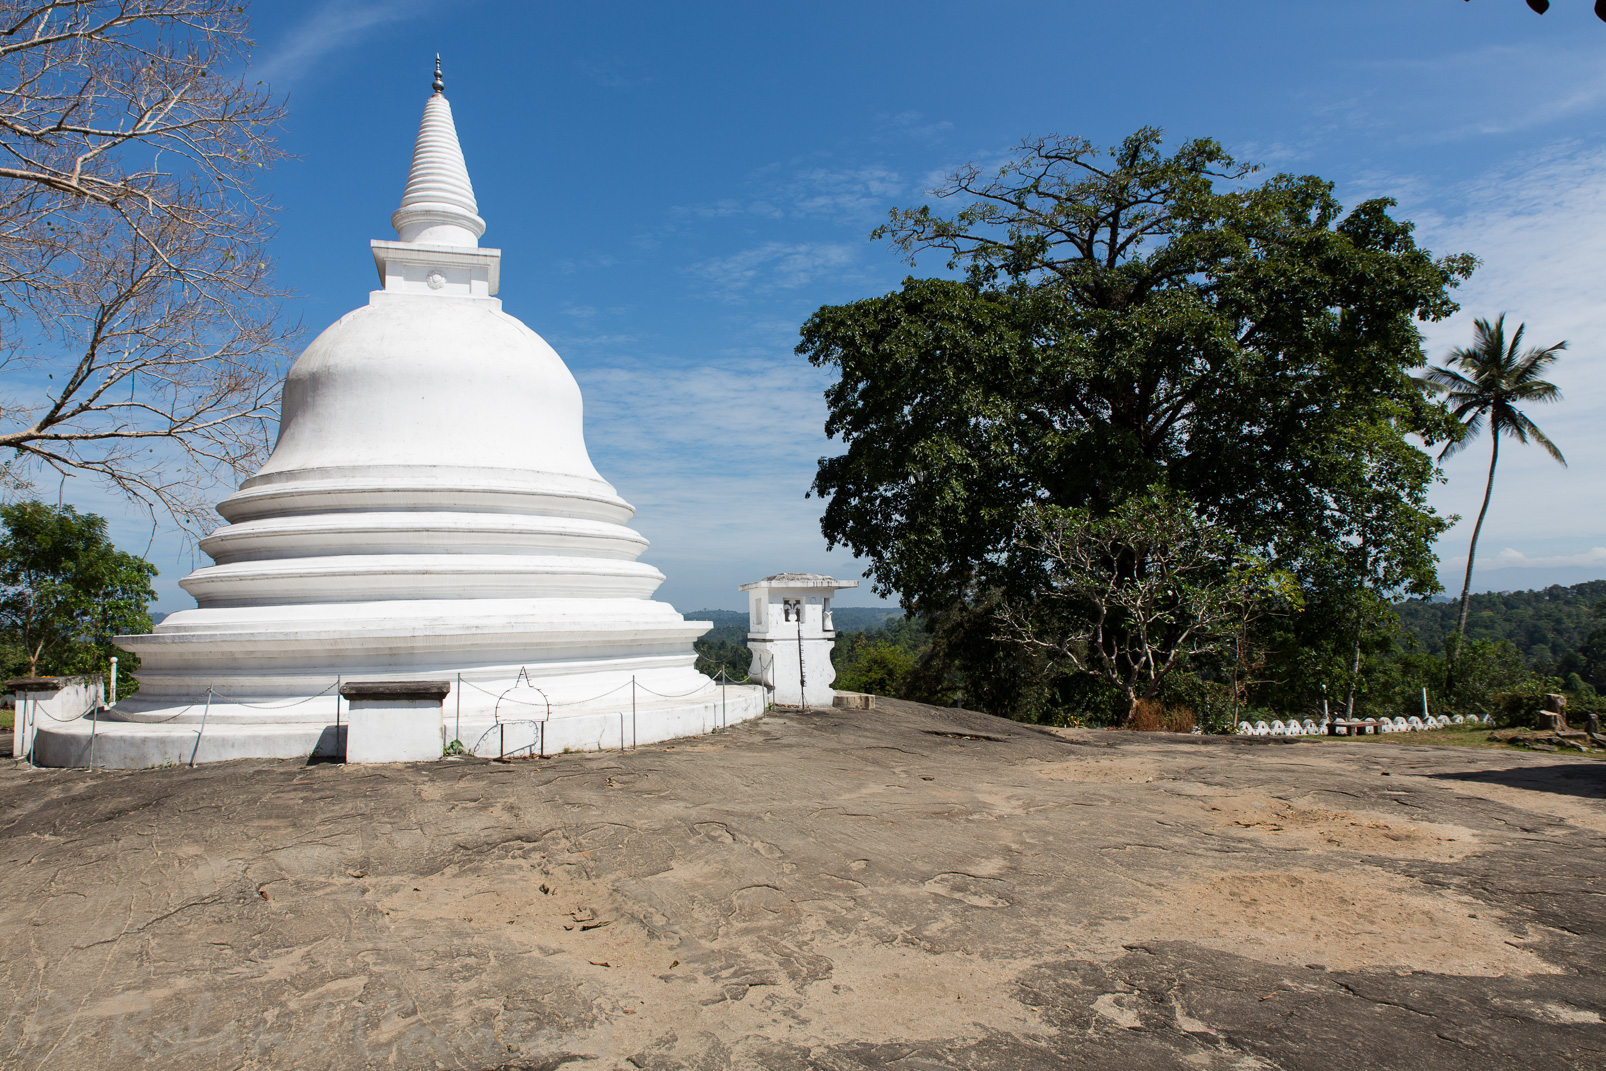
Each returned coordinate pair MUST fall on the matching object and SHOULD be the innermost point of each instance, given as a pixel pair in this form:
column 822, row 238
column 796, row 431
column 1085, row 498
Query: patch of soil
column 1362, row 918
column 1306, row 824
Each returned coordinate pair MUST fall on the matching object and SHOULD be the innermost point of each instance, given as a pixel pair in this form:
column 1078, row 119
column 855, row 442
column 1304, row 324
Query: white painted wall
column 76, row 697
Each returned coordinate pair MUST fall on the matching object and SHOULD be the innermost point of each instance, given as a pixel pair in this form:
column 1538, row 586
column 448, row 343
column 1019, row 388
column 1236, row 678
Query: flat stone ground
column 907, row 888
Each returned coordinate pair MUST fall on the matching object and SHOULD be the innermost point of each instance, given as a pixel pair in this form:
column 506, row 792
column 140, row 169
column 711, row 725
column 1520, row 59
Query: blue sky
column 676, row 187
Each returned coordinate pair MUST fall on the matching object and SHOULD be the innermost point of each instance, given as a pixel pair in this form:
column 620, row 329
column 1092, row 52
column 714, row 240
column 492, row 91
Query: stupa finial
column 438, row 206
column 438, row 85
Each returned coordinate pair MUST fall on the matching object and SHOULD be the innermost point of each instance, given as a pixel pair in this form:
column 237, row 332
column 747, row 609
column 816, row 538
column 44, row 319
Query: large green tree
column 1127, row 318
column 66, row 592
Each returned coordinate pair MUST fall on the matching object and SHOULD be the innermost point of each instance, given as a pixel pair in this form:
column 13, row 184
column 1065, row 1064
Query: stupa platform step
column 519, row 733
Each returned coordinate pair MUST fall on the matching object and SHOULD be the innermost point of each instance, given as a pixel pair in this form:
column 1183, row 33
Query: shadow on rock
column 1568, row 779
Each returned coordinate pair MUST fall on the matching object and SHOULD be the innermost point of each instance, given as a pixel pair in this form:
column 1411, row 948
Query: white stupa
column 429, row 512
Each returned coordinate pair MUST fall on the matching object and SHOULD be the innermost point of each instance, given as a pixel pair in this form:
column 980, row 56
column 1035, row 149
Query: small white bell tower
column 791, row 636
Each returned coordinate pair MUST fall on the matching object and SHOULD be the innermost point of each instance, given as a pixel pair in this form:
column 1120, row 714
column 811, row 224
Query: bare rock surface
column 907, row 888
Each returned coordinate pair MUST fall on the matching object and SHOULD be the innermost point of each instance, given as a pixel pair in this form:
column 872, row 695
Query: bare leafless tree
column 1132, row 596
column 140, row 334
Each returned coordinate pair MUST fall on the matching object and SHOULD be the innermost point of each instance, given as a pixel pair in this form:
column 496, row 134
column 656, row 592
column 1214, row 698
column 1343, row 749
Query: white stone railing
column 1309, row 727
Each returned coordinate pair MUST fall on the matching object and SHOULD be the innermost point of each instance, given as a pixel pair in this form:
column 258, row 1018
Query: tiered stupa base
column 541, row 676
column 232, row 731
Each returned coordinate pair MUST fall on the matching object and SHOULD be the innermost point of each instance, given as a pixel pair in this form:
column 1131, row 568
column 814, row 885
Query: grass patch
column 8, row 718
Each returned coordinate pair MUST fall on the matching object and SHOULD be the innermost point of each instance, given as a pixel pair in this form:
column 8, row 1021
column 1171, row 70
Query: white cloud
column 335, row 25
column 843, row 193
column 913, row 125
column 716, row 457
column 776, row 266
column 1460, row 97
column 1537, row 85
column 850, row 196
column 726, row 208
column 594, row 262
column 614, row 72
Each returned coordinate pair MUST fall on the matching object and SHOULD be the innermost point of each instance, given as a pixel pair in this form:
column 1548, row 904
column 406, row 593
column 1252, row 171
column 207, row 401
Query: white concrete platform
column 518, row 733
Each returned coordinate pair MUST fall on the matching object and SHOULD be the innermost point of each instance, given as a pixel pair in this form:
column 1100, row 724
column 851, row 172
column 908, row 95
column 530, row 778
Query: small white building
column 791, row 636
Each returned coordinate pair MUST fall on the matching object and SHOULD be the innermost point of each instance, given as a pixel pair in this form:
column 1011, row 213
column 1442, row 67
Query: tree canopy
column 66, row 591
column 1134, row 317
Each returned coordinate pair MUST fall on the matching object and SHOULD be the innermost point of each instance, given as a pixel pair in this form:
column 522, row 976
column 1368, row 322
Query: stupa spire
column 438, row 206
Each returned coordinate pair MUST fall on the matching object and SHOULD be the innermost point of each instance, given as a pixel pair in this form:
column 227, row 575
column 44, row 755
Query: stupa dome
column 370, row 406
column 429, row 511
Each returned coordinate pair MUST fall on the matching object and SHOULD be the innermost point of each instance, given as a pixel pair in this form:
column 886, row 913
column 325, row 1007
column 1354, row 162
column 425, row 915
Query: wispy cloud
column 851, row 196
column 716, row 456
column 1512, row 558
column 1537, row 225
column 727, row 208
column 594, row 262
column 650, row 412
column 912, row 125
column 843, row 192
column 613, row 72
column 334, row 25
column 776, row 266
column 1278, row 155
column 1496, row 89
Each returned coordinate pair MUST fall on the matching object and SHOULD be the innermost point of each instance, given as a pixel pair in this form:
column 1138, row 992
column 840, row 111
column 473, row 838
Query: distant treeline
column 1550, row 627
column 1520, row 645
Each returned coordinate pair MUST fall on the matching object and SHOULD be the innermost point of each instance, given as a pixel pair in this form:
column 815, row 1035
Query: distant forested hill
column 724, row 647
column 845, row 618
column 1545, row 625
column 720, row 618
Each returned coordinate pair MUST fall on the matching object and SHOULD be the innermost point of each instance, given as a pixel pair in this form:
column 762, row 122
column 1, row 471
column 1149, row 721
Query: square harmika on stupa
column 429, row 512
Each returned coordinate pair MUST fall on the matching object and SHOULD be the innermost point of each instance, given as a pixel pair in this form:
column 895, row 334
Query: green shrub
column 1519, row 707
column 879, row 668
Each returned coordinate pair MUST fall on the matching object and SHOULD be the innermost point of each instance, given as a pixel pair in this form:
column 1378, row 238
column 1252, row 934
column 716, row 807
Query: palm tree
column 1488, row 381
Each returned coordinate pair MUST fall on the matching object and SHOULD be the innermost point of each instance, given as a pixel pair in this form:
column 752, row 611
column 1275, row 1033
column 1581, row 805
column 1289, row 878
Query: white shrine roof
column 799, row 580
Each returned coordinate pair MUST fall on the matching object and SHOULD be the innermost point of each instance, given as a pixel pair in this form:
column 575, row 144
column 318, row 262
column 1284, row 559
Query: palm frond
column 1516, row 341
column 1533, row 362
column 1469, row 431
column 1488, row 345
column 1537, row 390
column 1446, row 379
column 1528, row 429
